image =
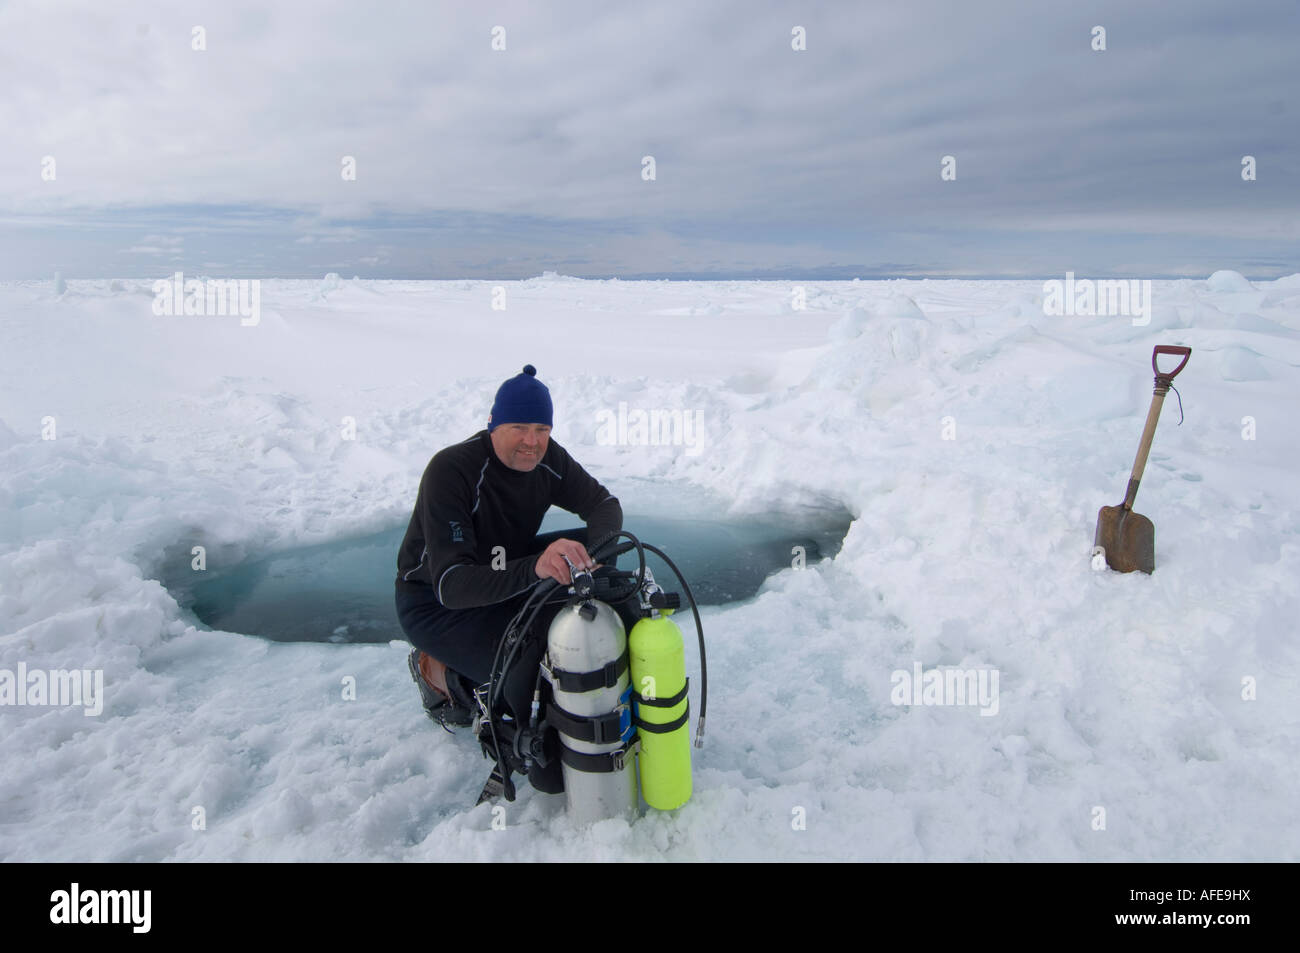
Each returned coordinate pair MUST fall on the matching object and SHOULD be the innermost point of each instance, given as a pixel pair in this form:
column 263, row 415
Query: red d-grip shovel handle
column 1186, row 352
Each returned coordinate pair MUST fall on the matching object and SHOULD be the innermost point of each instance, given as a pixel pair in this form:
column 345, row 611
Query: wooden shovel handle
column 1186, row 352
column 1153, row 415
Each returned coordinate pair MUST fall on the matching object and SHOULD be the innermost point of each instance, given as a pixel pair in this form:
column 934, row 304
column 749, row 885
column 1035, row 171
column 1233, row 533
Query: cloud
column 161, row 245
column 832, row 153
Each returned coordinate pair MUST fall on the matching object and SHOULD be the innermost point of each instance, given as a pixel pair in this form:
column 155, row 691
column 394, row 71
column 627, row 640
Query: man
column 471, row 554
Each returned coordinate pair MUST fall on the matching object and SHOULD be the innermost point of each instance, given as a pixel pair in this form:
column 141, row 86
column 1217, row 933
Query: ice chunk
column 1228, row 282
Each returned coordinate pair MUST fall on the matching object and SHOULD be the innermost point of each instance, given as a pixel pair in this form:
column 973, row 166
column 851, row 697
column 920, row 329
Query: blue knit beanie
column 522, row 400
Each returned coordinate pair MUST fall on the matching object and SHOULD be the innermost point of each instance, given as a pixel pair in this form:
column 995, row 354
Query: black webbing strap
column 667, row 726
column 597, row 729
column 604, row 677
column 605, row 763
column 663, row 702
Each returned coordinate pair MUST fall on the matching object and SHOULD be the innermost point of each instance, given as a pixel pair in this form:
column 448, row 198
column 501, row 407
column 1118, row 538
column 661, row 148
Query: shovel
column 1128, row 539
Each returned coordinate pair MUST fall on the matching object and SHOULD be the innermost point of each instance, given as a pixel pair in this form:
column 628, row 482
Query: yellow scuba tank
column 658, row 666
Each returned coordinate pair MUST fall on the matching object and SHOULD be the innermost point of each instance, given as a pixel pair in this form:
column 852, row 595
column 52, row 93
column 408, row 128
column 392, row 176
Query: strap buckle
column 624, row 712
column 620, row 756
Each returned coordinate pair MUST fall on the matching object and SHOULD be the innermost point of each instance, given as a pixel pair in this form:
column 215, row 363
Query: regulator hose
column 699, row 630
column 699, row 627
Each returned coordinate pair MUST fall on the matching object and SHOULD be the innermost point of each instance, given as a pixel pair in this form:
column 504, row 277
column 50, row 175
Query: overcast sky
column 769, row 162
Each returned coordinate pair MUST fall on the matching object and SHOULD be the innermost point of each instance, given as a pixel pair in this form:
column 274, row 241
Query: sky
column 127, row 152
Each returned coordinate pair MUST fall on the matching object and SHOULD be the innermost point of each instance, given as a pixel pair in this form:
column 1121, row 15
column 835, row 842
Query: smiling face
column 520, row 446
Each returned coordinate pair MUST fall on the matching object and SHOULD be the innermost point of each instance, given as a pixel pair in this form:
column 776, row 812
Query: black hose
column 604, row 552
column 519, row 628
column 699, row 626
column 699, row 629
column 496, row 675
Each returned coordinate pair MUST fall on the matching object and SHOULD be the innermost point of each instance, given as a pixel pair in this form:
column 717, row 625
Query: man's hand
column 551, row 565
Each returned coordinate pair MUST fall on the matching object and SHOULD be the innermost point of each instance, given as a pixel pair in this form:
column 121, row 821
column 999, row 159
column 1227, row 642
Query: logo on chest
column 457, row 535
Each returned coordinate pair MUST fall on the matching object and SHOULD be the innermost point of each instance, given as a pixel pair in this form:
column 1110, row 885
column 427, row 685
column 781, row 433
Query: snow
column 1117, row 692
column 1228, row 282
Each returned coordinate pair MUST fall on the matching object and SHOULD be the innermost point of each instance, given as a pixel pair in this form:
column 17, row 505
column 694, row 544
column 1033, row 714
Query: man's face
column 520, row 446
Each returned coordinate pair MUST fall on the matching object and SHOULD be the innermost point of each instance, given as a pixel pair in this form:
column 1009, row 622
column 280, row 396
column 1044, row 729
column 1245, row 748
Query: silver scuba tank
column 587, row 666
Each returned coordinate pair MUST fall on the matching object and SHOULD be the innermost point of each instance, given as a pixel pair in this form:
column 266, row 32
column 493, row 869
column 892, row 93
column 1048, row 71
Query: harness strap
column 606, row 676
column 605, row 763
column 663, row 702
column 597, row 729
column 663, row 729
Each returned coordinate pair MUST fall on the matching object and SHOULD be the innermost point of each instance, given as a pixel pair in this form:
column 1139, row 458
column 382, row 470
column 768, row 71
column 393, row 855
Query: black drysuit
column 451, row 602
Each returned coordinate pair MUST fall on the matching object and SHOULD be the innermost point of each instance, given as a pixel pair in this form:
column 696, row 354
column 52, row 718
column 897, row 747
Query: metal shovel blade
column 1128, row 539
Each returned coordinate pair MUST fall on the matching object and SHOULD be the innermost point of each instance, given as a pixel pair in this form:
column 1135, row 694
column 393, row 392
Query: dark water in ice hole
column 343, row 591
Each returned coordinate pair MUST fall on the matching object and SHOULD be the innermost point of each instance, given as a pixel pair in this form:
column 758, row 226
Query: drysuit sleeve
column 580, row 493
column 459, row 580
